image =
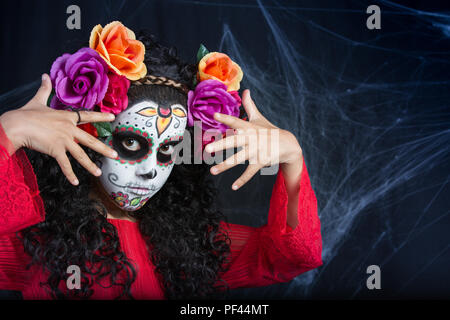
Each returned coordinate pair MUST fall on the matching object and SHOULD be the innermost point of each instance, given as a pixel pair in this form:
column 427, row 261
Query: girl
column 128, row 220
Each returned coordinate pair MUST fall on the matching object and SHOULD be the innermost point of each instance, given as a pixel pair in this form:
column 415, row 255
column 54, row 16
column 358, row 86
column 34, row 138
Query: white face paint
column 144, row 136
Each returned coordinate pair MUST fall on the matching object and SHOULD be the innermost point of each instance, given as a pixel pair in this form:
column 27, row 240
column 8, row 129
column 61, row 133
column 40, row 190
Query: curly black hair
column 180, row 224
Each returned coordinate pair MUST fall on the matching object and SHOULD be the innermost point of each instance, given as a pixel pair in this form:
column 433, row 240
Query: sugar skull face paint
column 144, row 136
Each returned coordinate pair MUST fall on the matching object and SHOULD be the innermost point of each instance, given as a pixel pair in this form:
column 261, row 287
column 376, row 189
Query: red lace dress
column 259, row 256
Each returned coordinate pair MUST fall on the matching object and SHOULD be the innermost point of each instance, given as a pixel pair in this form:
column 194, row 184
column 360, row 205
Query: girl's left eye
column 166, row 149
column 131, row 144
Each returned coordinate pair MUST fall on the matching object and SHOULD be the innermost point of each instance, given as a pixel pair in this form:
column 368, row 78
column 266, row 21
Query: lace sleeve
column 275, row 252
column 20, row 203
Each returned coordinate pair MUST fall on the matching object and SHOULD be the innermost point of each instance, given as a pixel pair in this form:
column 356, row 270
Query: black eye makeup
column 129, row 145
column 166, row 150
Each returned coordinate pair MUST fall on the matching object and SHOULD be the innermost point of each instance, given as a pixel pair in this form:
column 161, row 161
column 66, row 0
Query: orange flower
column 118, row 46
column 218, row 66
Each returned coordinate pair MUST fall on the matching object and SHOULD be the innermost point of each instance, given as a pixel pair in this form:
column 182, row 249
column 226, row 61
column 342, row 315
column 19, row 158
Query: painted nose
column 149, row 175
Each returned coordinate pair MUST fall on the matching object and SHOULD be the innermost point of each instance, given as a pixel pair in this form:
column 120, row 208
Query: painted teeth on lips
column 140, row 190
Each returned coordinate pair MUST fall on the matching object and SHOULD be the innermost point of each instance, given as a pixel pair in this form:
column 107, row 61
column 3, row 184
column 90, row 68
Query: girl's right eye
column 166, row 149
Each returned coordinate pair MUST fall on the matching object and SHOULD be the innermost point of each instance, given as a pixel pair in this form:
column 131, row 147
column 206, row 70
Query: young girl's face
column 144, row 136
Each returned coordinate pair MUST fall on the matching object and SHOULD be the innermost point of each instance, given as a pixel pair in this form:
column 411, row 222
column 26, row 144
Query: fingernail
column 114, row 154
column 214, row 170
column 44, row 77
column 98, row 172
column 75, row 182
column 235, row 186
column 217, row 115
column 208, row 149
column 112, row 116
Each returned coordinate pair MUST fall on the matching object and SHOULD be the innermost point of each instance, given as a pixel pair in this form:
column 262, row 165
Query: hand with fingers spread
column 262, row 143
column 55, row 132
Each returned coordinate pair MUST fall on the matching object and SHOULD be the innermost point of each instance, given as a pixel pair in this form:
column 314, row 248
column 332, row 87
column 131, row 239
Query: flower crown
column 98, row 78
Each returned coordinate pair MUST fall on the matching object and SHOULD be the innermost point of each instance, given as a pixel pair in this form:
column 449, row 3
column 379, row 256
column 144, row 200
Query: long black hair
column 180, row 223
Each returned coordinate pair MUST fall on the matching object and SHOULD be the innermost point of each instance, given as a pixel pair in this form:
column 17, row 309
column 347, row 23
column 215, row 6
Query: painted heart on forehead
column 163, row 115
column 144, row 136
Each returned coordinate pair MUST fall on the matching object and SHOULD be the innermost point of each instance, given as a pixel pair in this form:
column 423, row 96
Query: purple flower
column 211, row 96
column 80, row 80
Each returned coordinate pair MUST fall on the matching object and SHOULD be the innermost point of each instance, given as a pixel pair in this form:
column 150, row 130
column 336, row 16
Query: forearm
column 272, row 253
column 9, row 132
column 292, row 173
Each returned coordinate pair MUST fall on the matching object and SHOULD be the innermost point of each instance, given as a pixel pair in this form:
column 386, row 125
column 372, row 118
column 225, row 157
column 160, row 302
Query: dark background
column 370, row 109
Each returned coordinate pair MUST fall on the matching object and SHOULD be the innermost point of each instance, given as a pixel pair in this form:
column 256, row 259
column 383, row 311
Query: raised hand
column 256, row 137
column 55, row 132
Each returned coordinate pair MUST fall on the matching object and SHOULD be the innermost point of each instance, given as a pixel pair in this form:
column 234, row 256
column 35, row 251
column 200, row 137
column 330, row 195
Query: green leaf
column 135, row 201
column 202, row 51
column 104, row 129
column 50, row 98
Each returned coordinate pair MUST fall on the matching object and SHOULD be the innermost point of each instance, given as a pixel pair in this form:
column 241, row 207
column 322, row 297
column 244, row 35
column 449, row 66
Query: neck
column 113, row 211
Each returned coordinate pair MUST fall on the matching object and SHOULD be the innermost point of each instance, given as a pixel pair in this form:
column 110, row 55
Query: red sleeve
column 20, row 207
column 20, row 203
column 13, row 263
column 274, row 252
